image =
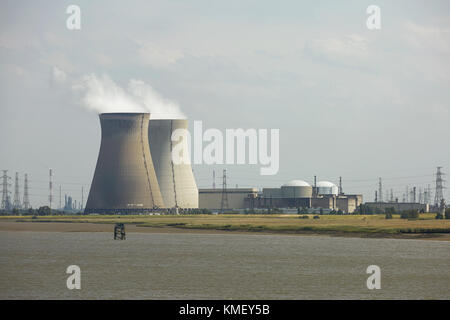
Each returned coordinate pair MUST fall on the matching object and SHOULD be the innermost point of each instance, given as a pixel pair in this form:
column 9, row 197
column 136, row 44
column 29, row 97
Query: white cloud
column 157, row 56
column 349, row 46
column 59, row 75
column 429, row 38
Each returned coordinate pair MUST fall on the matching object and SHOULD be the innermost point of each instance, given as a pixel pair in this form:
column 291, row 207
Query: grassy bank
column 358, row 225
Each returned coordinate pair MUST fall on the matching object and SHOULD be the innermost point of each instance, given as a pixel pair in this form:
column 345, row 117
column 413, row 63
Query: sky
column 348, row 101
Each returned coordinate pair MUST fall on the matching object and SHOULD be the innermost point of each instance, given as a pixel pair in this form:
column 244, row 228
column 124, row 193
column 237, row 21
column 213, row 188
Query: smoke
column 102, row 95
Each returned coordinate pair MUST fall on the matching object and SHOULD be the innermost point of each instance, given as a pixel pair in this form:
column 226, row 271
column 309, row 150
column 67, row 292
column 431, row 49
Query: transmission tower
column 380, row 190
column 214, row 179
column 6, row 203
column 26, row 200
column 420, row 195
column 224, row 202
column 429, row 194
column 439, row 194
column 16, row 202
column 50, row 187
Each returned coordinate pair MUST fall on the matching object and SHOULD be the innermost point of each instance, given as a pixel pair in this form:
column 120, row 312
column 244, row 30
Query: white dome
column 327, row 187
column 296, row 183
column 326, row 184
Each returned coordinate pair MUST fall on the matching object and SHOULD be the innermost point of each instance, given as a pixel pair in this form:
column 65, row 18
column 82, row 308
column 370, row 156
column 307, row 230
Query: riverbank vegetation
column 361, row 225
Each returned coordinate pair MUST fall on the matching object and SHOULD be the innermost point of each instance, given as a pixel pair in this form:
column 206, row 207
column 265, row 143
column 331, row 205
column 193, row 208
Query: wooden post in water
column 119, row 231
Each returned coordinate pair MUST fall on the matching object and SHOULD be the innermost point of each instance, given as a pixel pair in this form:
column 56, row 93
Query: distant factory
column 322, row 196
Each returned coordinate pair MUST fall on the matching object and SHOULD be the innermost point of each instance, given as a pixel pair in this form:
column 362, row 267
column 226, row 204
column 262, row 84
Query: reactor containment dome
column 296, row 189
column 327, row 188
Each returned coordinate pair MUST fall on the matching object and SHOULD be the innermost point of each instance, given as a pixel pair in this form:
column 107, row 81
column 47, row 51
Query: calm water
column 230, row 266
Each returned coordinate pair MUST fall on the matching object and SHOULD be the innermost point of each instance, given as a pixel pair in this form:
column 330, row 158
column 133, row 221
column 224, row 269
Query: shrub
column 388, row 215
column 439, row 216
column 390, row 210
column 447, row 213
column 316, row 217
column 409, row 214
column 304, row 217
column 44, row 211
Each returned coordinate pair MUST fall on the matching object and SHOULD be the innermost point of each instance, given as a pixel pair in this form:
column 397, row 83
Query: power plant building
column 124, row 179
column 326, row 188
column 400, row 206
column 237, row 198
column 293, row 194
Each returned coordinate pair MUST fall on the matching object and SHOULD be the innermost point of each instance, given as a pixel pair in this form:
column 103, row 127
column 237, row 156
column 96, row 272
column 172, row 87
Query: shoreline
column 43, row 226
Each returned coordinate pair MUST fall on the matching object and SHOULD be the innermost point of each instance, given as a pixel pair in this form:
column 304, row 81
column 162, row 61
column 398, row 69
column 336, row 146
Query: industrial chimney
column 124, row 178
column 176, row 181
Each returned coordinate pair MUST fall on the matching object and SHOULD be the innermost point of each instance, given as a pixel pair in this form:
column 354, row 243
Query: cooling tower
column 176, row 181
column 124, row 178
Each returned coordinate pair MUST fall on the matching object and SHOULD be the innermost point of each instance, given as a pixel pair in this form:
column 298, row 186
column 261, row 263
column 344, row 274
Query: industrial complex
column 135, row 173
column 297, row 194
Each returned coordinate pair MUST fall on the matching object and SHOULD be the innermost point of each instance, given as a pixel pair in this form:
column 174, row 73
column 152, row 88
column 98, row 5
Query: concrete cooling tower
column 176, row 181
column 124, row 178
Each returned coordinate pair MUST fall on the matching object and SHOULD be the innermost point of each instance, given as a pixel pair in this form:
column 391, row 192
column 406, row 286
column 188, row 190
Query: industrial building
column 293, row 194
column 237, row 198
column 176, row 181
column 124, row 179
column 400, row 206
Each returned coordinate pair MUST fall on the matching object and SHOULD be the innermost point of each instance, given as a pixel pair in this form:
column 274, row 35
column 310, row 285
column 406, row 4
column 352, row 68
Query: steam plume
column 103, row 95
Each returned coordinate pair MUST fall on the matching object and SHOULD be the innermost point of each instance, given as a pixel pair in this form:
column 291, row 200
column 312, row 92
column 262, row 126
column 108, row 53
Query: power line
column 6, row 202
column 439, row 194
column 26, row 199
column 16, row 203
column 224, row 202
column 50, row 186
